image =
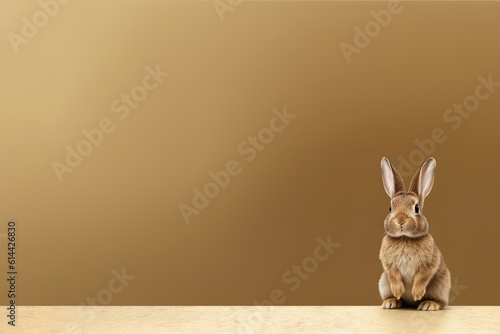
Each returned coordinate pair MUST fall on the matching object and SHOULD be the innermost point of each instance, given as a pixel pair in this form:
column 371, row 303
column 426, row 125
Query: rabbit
column 415, row 274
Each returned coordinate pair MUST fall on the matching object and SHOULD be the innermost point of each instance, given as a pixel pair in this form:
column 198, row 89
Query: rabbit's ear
column 422, row 181
column 393, row 183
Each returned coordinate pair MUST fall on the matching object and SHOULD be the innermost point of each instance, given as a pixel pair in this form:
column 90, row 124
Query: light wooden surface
column 251, row 319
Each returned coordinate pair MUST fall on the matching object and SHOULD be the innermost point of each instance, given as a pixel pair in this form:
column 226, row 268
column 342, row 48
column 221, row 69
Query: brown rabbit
column 414, row 269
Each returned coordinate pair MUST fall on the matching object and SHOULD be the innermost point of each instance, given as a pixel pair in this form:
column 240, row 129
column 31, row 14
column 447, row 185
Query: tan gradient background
column 319, row 177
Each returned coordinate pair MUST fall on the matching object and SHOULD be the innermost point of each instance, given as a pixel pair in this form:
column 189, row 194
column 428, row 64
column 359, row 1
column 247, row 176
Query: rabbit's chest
column 407, row 268
column 406, row 261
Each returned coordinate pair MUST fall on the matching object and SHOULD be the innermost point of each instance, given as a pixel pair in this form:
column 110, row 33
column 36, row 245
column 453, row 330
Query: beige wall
column 318, row 176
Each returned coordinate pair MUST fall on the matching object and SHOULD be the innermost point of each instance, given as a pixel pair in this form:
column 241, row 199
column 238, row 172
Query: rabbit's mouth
column 404, row 231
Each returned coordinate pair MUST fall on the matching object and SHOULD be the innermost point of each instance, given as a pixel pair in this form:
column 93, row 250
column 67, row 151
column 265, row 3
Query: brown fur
column 415, row 274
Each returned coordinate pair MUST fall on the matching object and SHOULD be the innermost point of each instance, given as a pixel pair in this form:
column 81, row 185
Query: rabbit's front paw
column 418, row 292
column 398, row 289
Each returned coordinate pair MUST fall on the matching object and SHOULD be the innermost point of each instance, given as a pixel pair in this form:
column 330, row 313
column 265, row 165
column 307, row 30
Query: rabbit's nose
column 401, row 223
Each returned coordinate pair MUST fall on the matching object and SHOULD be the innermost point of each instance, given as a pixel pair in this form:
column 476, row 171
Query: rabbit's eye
column 390, row 208
column 417, row 209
